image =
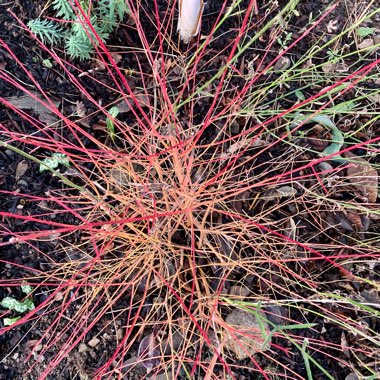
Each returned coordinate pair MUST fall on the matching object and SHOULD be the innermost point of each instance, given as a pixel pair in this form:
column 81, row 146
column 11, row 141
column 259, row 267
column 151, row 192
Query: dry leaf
column 142, row 99
column 33, row 102
column 338, row 220
column 80, row 109
column 355, row 219
column 344, row 345
column 149, row 352
column 363, row 177
column 245, row 335
column 332, row 26
column 371, row 296
column 21, row 169
column 366, row 43
column 328, row 67
column 282, row 64
column 284, row 191
column 375, row 97
column 116, row 57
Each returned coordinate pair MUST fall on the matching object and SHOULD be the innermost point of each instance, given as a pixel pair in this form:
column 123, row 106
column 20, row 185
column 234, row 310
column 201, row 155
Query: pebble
column 119, row 334
column 83, row 348
column 94, row 342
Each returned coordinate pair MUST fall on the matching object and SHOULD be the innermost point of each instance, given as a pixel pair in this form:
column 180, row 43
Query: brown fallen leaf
column 363, row 177
column 142, row 99
column 366, row 43
column 149, row 352
column 116, row 57
column 355, row 219
column 282, row 64
column 246, row 336
column 33, row 102
column 21, row 169
column 284, row 191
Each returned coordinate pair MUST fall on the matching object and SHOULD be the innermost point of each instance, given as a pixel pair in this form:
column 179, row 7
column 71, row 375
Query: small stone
column 58, row 297
column 83, row 348
column 38, row 348
column 94, row 342
column 107, row 336
column 325, row 166
column 40, row 358
column 119, row 334
column 351, row 376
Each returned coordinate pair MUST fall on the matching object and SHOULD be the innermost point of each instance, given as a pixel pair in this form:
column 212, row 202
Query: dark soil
column 16, row 356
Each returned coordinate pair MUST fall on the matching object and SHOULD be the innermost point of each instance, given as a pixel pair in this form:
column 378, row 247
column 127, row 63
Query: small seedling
column 11, row 303
column 114, row 111
column 47, row 63
column 10, row 321
column 283, row 42
column 53, row 162
column 27, row 289
column 77, row 31
column 300, row 95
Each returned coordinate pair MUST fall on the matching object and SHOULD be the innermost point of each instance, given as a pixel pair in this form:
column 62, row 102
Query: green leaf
column 52, row 162
column 21, row 307
column 365, row 31
column 26, row 288
column 306, row 359
column 10, row 321
column 296, row 326
column 47, row 63
column 299, row 94
column 114, row 111
column 343, row 107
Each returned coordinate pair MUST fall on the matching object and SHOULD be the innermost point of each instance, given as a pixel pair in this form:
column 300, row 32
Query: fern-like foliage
column 112, row 12
column 46, row 30
column 77, row 47
column 84, row 32
column 78, row 36
column 64, row 9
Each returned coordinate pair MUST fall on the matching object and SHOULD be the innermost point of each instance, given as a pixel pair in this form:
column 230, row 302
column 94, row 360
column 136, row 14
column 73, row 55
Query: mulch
column 16, row 345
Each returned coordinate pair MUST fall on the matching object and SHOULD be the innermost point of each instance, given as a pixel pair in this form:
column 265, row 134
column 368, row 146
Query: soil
column 20, row 358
